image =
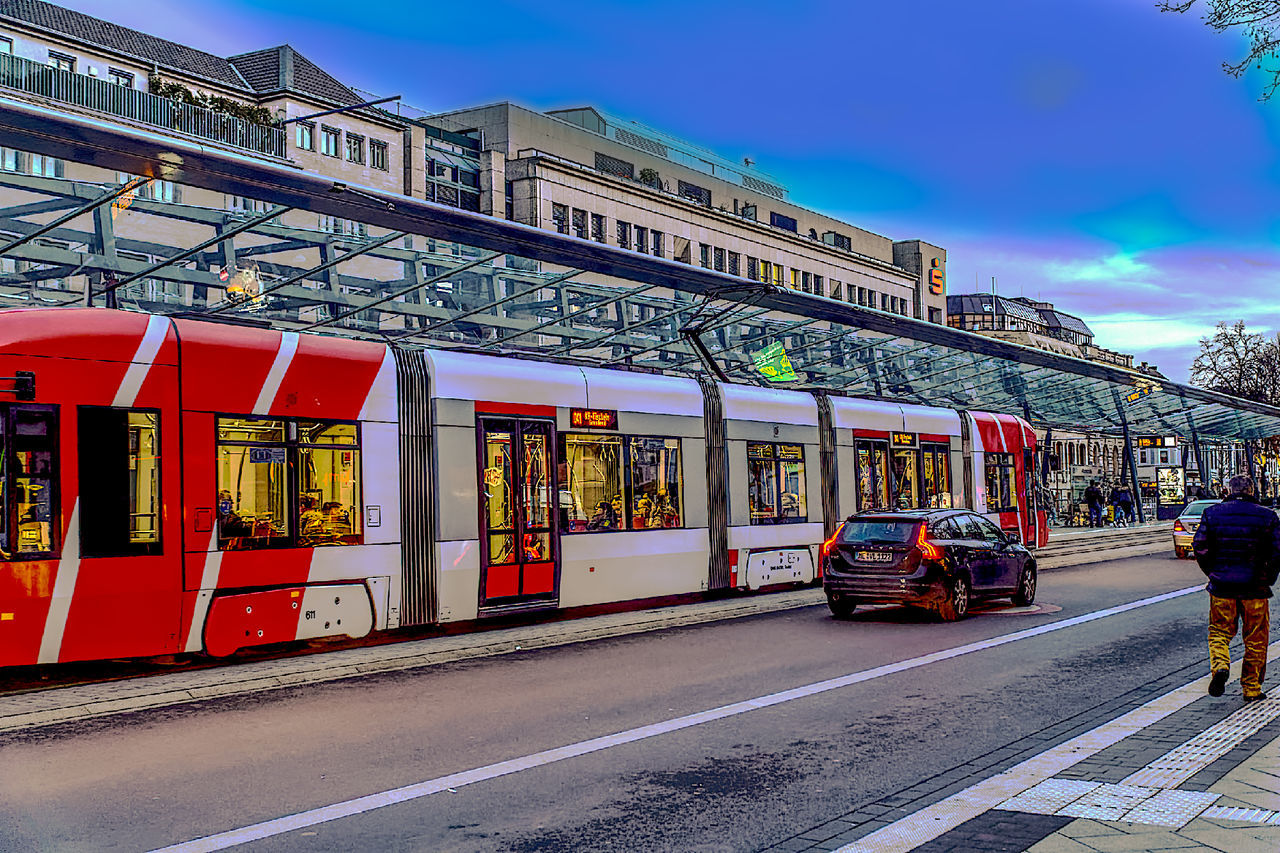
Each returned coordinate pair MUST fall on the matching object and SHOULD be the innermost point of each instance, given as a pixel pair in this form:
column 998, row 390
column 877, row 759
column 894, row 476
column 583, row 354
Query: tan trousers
column 1224, row 615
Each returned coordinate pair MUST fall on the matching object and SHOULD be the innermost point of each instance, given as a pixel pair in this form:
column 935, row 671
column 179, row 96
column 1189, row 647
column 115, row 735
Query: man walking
column 1238, row 546
column 1093, row 499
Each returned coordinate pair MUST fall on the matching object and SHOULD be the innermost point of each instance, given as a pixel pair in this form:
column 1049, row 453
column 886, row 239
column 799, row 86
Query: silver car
column 1184, row 527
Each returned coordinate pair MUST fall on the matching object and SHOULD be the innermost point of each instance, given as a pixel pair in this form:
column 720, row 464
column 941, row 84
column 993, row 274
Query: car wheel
column 841, row 608
column 956, row 606
column 1026, row 593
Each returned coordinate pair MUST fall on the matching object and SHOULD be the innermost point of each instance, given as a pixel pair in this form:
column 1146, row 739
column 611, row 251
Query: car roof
column 912, row 514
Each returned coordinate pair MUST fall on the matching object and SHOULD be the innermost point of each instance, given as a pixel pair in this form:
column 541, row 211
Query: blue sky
column 1092, row 153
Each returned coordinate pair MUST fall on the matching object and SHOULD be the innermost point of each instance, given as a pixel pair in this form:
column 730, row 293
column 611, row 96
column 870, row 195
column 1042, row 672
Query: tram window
column 612, row 482
column 906, row 492
column 120, row 504
column 776, row 491
column 328, row 486
column 873, row 475
column 655, row 482
column 287, row 483
column 1002, row 489
column 592, row 496
column 937, row 476
column 28, row 471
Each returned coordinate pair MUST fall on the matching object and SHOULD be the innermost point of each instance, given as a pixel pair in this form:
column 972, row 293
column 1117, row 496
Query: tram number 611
column 310, row 614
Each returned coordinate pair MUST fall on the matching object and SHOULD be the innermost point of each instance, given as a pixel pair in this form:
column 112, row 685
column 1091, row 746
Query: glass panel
column 793, row 503
column 879, row 532
column 499, row 508
column 535, row 547
column 313, row 432
column 34, row 432
column 591, row 487
column 251, row 429
column 328, row 496
column 905, row 479
column 536, row 487
column 253, row 507
column 502, row 548
column 1002, row 492
column 144, row 477
column 762, row 489
column 866, row 477
column 655, row 482
column 937, row 477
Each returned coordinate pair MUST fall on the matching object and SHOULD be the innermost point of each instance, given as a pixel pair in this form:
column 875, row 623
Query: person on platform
column 1124, row 504
column 1238, row 547
column 1093, row 500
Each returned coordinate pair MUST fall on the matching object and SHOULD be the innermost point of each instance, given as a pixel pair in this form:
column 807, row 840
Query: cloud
column 1121, row 266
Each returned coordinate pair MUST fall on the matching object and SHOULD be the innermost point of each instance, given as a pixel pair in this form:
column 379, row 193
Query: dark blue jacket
column 1238, row 546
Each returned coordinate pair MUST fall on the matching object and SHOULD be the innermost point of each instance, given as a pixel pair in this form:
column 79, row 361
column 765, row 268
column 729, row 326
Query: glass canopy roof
column 222, row 236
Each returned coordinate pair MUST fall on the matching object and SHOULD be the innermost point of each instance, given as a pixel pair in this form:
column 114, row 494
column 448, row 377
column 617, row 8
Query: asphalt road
column 743, row 782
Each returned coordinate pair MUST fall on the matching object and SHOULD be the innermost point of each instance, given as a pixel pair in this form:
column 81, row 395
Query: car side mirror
column 1013, row 536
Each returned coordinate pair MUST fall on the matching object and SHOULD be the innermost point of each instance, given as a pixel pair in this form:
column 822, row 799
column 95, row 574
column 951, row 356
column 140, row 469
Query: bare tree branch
column 1259, row 21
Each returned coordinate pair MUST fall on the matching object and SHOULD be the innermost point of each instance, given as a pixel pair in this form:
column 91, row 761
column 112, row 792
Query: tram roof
column 487, row 285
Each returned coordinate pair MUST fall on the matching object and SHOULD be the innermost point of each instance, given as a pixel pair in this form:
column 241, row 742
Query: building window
column 766, row 272
column 597, row 228
column 704, row 255
column 6, row 45
column 817, row 286
column 786, row 223
column 119, row 482
column 355, row 148
column 735, row 263
column 510, row 198
column 753, row 268
column 795, row 279
column 343, row 227
column 329, row 140
column 286, row 483
column 624, row 235
column 579, row 223
column 658, row 246
column 935, row 315
column 28, row 482
column 560, row 217
column 642, row 239
column 718, row 255
column 840, row 241
column 1002, row 490
column 304, row 135
column 777, row 275
column 24, row 162
column 61, row 61
column 244, row 204
column 378, row 155
column 617, row 482
column 120, row 78
column 884, row 302
column 693, row 192
column 775, row 483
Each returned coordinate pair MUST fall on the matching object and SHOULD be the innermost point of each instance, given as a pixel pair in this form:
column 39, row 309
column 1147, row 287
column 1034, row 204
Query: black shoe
column 1257, row 697
column 1218, row 684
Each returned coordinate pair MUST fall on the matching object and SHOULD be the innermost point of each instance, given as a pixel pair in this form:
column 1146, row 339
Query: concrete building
column 585, row 173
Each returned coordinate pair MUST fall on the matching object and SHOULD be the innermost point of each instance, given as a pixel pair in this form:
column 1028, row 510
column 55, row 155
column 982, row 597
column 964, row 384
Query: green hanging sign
column 773, row 364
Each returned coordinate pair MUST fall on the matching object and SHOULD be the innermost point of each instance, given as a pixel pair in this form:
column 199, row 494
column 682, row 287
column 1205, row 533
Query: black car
column 938, row 558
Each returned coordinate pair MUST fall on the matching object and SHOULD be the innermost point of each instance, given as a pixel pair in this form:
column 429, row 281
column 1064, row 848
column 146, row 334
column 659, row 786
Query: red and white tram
column 177, row 485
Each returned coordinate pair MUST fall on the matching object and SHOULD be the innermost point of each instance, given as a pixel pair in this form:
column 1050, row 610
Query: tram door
column 518, row 539
column 1030, row 525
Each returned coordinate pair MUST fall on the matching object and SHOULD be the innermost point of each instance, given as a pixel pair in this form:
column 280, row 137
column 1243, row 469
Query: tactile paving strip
column 1108, row 802
column 1242, row 814
column 1182, row 762
column 1050, row 796
column 1171, row 808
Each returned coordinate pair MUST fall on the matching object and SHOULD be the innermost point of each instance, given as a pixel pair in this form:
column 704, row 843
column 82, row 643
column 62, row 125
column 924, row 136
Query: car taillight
column 1178, row 528
column 825, row 551
column 928, row 550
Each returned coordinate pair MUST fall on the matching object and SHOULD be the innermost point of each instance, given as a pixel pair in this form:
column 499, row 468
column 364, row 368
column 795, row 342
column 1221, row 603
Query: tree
column 1241, row 363
column 1259, row 20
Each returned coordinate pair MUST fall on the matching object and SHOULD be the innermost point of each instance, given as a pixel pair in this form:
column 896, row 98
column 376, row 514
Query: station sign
column 1157, row 441
column 593, row 418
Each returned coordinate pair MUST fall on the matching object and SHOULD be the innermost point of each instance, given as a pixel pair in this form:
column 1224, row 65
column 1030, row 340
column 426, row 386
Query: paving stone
column 1060, row 844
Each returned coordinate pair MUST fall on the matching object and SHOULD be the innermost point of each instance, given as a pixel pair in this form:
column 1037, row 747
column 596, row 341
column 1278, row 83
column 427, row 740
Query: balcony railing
column 106, row 97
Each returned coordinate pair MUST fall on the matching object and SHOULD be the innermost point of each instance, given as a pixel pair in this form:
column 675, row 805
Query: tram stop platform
column 1172, row 768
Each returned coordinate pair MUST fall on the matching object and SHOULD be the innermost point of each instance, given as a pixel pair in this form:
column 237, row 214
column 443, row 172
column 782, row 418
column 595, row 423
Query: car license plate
column 874, row 557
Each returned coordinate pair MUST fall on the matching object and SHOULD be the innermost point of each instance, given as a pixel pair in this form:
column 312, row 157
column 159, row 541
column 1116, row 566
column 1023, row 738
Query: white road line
column 943, row 816
column 312, row 817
